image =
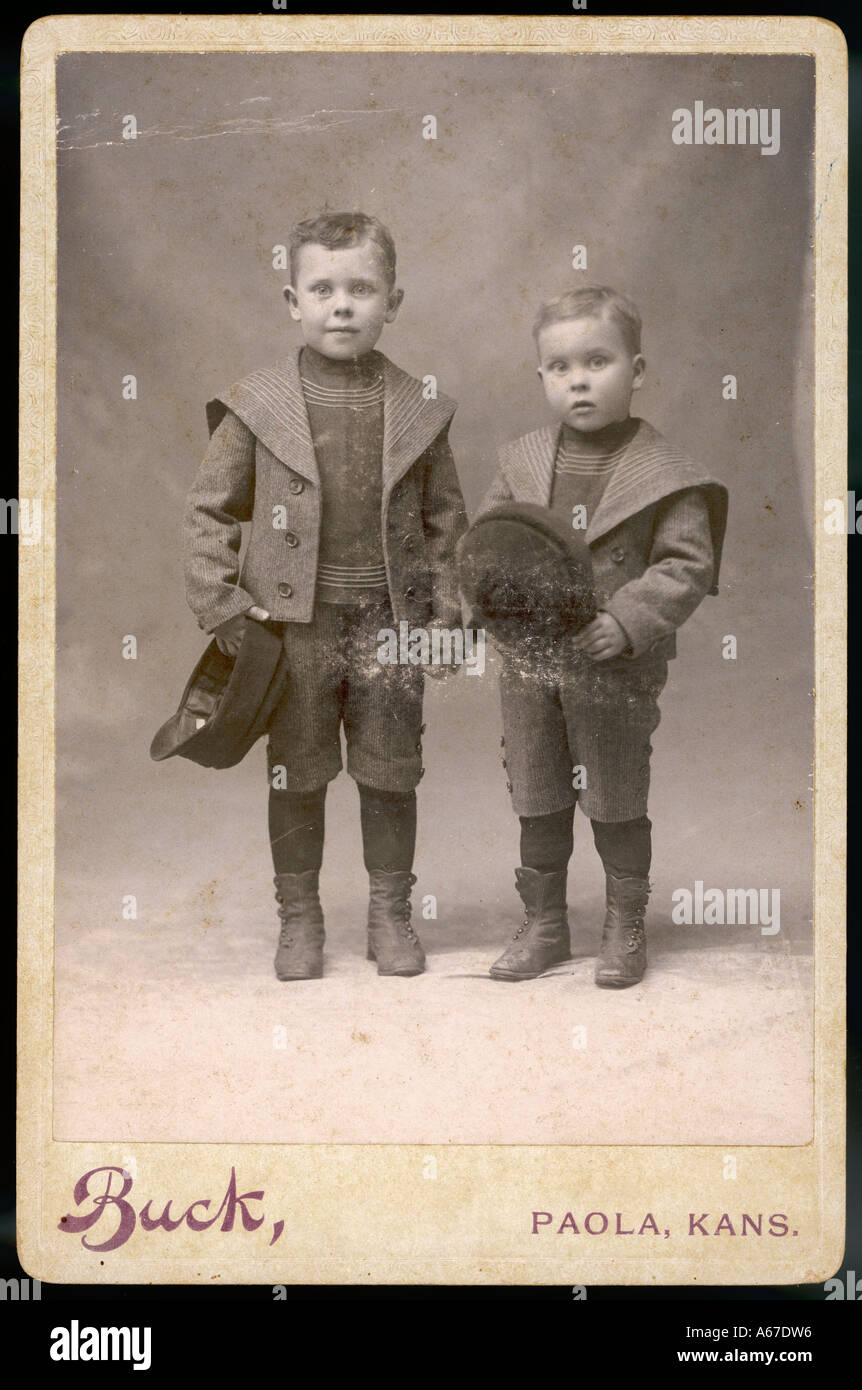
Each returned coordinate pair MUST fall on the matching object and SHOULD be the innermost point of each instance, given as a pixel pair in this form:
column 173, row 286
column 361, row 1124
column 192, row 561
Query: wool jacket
column 260, row 467
column 655, row 537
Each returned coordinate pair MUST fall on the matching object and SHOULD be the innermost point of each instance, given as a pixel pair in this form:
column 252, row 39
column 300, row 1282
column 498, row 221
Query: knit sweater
column 583, row 466
column 344, row 401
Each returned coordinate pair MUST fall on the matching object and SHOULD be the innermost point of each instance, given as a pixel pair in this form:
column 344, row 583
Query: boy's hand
column 229, row 635
column 440, row 670
column 602, row 638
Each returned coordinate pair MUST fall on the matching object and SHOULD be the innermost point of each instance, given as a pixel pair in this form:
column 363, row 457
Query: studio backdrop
column 536, row 174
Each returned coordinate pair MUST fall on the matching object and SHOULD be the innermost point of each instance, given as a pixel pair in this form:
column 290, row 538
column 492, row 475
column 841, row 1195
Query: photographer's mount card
column 227, row 403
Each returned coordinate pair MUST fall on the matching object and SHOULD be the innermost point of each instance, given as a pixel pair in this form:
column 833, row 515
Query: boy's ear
column 395, row 298
column 290, row 296
column 639, row 364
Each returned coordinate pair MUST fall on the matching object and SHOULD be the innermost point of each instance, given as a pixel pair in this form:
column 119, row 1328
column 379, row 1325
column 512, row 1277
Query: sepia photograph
column 435, row 540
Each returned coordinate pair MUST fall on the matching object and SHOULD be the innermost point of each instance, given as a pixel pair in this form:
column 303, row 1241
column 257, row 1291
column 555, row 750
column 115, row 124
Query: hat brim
column 524, row 577
column 228, row 701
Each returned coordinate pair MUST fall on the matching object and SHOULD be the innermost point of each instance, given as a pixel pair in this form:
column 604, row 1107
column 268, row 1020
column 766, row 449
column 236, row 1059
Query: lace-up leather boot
column 300, row 940
column 392, row 942
column 623, row 960
column 542, row 940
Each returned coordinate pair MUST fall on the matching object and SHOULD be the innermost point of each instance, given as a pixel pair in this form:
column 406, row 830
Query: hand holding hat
column 229, row 635
column 440, row 670
column 229, row 698
column 602, row 639
column 526, row 576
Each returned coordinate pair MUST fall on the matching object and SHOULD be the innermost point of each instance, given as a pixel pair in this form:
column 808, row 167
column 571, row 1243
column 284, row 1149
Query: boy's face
column 342, row 298
column 588, row 372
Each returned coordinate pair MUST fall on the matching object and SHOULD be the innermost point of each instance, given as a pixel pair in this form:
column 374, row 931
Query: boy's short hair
column 589, row 301
column 337, row 229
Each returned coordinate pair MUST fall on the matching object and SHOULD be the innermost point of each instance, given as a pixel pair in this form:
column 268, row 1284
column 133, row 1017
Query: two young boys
column 343, row 467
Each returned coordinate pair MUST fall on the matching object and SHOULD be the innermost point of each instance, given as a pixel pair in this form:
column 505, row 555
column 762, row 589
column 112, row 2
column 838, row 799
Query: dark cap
column 228, row 701
column 526, row 575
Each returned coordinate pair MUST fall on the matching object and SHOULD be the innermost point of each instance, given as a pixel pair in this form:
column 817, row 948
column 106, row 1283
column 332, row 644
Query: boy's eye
column 320, row 290
column 361, row 289
column 598, row 361
column 559, row 367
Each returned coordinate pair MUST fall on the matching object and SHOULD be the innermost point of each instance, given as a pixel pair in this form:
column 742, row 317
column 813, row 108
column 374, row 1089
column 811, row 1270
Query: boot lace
column 406, row 926
column 523, row 927
column 283, row 938
column 635, row 935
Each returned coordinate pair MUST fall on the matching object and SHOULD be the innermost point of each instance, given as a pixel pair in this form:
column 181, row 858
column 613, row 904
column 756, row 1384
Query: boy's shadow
column 483, row 927
column 467, row 938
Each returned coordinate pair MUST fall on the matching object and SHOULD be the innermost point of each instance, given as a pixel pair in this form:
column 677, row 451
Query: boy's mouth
column 342, row 330
column 583, row 406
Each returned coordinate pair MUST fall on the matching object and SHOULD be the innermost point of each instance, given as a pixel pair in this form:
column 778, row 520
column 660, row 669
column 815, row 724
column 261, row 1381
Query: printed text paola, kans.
column 119, row 1218
column 600, row 1223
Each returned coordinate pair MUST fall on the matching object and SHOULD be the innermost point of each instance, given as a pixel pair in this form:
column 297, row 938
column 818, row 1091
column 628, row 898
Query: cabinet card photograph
column 432, row 521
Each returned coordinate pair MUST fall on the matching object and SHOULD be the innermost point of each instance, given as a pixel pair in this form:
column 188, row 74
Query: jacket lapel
column 649, row 470
column 271, row 403
column 528, row 465
column 410, row 422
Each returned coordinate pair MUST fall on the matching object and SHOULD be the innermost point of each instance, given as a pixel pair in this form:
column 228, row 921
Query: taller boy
column 342, row 464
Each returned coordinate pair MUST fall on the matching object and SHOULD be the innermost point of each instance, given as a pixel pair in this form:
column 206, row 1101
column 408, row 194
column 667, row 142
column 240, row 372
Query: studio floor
column 172, row 1026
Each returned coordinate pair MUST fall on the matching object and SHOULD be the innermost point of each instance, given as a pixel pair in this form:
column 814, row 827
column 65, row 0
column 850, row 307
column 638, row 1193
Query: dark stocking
column 546, row 841
column 625, row 846
column 388, row 829
column 296, row 821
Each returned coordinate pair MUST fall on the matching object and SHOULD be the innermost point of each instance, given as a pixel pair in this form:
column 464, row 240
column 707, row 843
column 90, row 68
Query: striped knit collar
column 648, row 469
column 271, row 403
column 355, row 374
column 595, row 452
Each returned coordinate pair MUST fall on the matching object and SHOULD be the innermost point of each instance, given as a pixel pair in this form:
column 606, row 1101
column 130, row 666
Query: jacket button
column 409, row 592
column 295, row 485
column 618, row 554
column 407, row 543
column 286, row 590
column 291, row 539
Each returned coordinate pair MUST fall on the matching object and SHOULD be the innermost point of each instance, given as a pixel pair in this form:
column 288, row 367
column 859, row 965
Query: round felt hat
column 228, row 701
column 526, row 575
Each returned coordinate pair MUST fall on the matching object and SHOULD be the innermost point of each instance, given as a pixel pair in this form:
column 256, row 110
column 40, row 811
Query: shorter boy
column 577, row 722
